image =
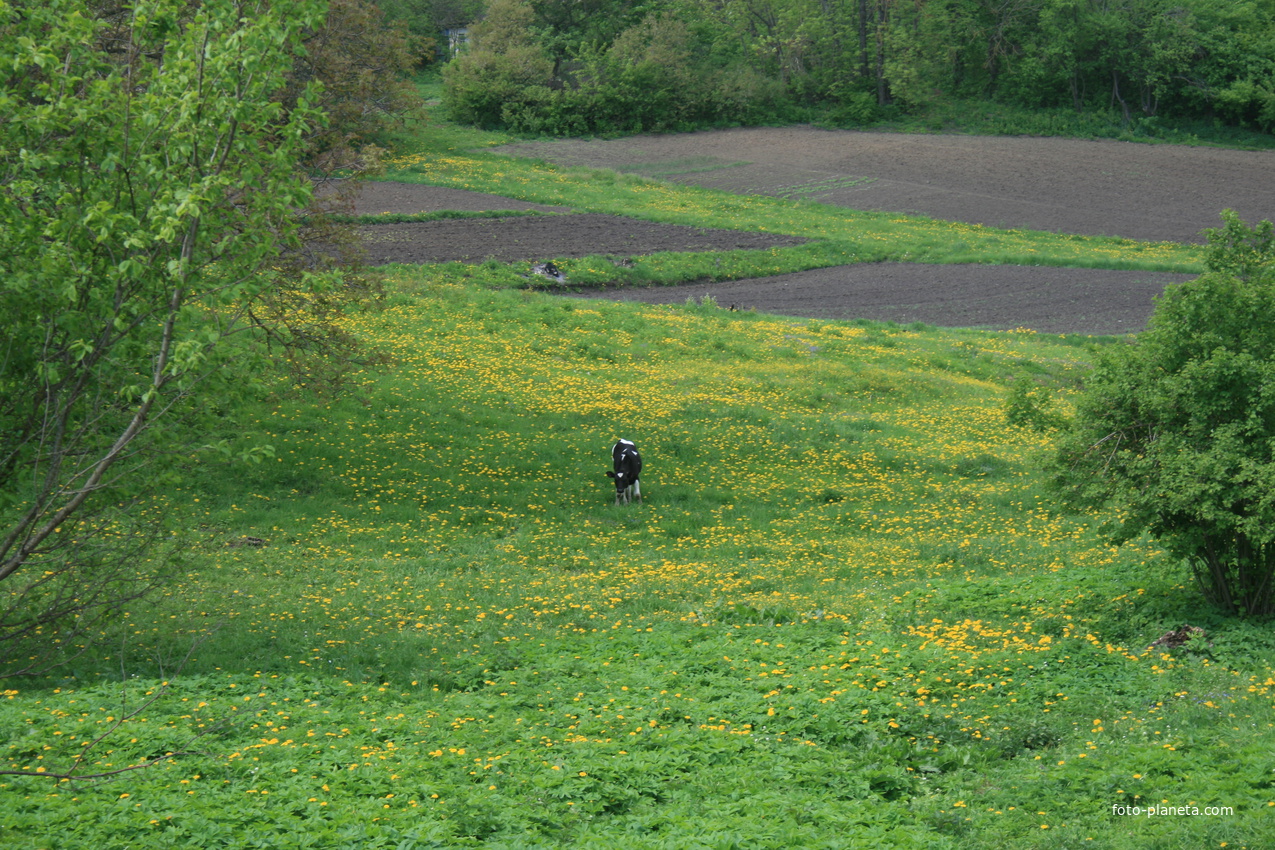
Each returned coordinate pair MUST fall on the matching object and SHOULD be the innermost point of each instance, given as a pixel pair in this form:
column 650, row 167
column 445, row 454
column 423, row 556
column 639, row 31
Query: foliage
column 360, row 64
column 1030, row 405
column 861, row 62
column 1245, row 253
column 427, row 19
column 148, row 184
column 505, row 66
column 650, row 77
column 1178, row 430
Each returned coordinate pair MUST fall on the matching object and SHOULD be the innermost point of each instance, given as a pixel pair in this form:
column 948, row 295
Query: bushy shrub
column 1248, row 104
column 1178, row 430
column 743, row 95
column 506, row 71
column 1030, row 406
column 651, row 78
column 855, row 108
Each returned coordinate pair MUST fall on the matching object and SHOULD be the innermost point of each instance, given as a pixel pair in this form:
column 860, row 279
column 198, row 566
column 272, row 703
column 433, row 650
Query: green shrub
column 506, row 67
column 1030, row 406
column 1178, row 431
column 653, row 77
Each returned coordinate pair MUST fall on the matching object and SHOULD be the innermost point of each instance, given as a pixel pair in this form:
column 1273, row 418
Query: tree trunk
column 865, row 70
column 883, row 87
column 1116, row 98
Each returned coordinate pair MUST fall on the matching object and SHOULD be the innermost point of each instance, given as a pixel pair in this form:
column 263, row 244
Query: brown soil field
column 410, row 198
column 1062, row 301
column 1100, row 188
column 547, row 237
column 1150, row 192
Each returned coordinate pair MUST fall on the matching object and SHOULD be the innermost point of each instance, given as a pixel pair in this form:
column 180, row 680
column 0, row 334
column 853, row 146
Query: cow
column 628, row 466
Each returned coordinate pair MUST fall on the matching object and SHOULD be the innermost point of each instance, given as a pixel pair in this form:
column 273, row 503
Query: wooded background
column 558, row 67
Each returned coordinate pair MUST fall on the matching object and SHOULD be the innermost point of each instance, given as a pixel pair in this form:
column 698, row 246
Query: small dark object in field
column 253, row 542
column 1179, row 637
column 549, row 270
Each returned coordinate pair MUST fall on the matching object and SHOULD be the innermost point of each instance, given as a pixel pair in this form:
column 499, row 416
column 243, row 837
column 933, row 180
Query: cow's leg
column 637, row 490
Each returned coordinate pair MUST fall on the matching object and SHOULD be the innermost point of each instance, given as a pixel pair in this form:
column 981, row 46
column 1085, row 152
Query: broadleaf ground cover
column 849, row 613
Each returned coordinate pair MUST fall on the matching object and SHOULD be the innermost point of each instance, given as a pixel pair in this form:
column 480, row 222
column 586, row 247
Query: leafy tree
column 572, row 29
column 650, row 81
column 148, row 187
column 361, row 64
column 1149, row 58
column 1177, row 432
column 662, row 73
column 1232, row 73
column 426, row 19
column 505, row 63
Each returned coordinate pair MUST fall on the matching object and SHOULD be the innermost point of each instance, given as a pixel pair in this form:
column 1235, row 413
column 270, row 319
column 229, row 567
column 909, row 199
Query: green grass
column 678, row 167
column 849, row 613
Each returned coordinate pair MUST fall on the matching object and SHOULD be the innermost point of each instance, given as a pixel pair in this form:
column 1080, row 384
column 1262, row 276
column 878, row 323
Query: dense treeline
column 550, row 66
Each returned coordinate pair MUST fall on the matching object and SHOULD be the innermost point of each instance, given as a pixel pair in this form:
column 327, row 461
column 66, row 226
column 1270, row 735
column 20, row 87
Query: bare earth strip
column 408, row 199
column 548, row 237
column 1103, row 188
column 1085, row 301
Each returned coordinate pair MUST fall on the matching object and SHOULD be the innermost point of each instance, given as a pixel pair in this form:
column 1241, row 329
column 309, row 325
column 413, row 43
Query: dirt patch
column 1049, row 300
column 379, row 197
column 1104, row 188
column 548, row 237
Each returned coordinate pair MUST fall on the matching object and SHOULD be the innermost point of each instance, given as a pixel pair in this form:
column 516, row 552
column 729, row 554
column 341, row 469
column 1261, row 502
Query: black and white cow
column 628, row 466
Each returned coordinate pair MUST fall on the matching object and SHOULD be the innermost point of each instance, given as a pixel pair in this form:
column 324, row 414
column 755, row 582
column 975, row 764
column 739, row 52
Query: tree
column 426, row 19
column 148, row 187
column 361, row 63
column 505, row 63
column 1177, row 431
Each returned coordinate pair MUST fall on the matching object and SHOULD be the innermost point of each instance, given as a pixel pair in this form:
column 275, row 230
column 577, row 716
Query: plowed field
column 1150, row 192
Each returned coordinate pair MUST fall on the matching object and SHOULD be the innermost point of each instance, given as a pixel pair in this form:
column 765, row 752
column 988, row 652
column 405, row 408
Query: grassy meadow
column 848, row 614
